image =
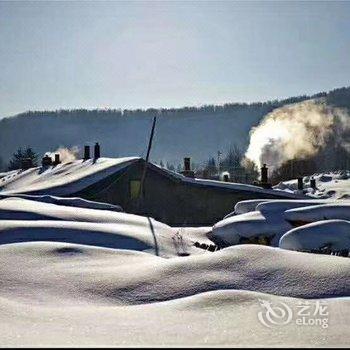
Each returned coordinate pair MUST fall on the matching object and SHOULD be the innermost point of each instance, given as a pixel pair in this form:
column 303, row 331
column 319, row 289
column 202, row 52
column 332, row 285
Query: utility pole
column 141, row 194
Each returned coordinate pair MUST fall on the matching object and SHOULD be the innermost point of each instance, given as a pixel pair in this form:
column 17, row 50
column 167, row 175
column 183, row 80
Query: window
column 135, row 186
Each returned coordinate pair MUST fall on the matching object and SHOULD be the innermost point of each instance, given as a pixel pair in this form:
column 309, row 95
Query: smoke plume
column 298, row 131
column 66, row 154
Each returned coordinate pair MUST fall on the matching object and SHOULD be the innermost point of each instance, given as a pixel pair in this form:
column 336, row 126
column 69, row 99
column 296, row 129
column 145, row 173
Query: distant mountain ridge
column 198, row 132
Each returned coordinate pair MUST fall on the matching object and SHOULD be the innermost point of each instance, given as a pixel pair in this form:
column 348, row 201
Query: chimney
column 187, row 164
column 313, row 183
column 300, row 184
column 57, row 159
column 187, row 168
column 46, row 160
column 264, row 178
column 86, row 152
column 264, row 171
column 97, row 151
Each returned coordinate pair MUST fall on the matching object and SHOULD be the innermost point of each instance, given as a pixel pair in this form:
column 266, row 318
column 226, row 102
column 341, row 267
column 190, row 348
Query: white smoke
column 298, row 131
column 66, row 154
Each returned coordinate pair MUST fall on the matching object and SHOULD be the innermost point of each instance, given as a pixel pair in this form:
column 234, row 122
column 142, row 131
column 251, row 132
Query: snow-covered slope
column 62, row 179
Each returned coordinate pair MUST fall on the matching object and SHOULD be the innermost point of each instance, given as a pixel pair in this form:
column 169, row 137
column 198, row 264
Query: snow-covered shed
column 168, row 197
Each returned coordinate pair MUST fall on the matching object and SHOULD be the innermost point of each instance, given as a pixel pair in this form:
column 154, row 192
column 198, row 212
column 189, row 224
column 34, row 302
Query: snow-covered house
column 169, row 197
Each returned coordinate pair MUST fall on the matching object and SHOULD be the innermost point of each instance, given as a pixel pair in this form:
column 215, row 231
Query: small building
column 167, row 196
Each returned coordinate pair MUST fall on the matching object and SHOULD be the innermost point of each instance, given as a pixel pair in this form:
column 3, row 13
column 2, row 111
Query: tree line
column 334, row 96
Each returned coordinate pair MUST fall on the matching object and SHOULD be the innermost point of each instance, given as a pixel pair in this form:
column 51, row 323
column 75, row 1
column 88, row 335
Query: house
column 169, row 197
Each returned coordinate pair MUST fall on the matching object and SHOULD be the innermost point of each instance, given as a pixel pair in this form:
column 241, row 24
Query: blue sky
column 136, row 54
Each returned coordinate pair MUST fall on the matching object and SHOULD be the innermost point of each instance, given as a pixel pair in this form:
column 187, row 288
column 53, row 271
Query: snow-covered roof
column 62, row 179
column 227, row 185
column 334, row 185
column 69, row 178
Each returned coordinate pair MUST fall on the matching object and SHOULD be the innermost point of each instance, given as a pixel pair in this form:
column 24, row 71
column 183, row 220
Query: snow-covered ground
column 75, row 273
column 63, row 294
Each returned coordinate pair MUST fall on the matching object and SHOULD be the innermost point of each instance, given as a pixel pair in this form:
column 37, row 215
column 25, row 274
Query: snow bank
column 71, row 202
column 14, row 208
column 314, row 213
column 28, row 214
column 63, row 294
column 149, row 236
column 62, row 179
column 278, row 207
column 131, row 278
column 267, row 220
column 334, row 235
column 218, row 318
column 231, row 230
column 247, row 206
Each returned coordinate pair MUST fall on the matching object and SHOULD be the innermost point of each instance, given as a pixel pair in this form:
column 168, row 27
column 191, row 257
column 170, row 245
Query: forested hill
column 190, row 131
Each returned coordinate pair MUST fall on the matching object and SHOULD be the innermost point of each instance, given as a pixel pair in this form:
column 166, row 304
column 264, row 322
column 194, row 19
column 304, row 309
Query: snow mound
column 14, row 208
column 272, row 218
column 246, row 206
column 130, row 278
column 147, row 235
column 274, row 207
column 62, row 179
column 331, row 235
column 231, row 230
column 223, row 317
column 319, row 212
column 71, row 202
column 249, row 205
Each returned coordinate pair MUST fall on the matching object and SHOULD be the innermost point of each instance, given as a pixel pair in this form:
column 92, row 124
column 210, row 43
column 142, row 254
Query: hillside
column 190, row 131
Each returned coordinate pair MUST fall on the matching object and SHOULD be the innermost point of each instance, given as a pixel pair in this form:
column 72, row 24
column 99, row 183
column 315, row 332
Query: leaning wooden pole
column 142, row 185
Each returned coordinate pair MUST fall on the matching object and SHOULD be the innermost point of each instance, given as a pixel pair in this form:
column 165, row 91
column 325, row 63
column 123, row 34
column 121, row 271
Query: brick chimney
column 86, row 152
column 187, row 168
column 57, row 159
column 97, row 151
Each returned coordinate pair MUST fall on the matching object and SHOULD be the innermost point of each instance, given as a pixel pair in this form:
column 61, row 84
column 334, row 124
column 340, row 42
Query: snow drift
column 330, row 235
